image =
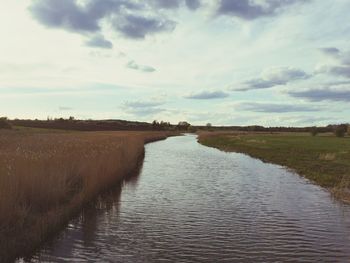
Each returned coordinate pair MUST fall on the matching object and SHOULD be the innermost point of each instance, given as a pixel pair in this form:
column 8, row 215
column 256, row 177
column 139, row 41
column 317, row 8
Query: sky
column 225, row 62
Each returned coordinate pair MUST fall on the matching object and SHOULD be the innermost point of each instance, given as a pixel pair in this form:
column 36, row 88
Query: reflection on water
column 196, row 204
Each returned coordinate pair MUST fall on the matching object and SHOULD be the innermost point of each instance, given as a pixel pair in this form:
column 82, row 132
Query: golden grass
column 46, row 177
column 327, row 156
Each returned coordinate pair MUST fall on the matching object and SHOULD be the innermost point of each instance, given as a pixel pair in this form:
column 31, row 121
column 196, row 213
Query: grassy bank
column 46, row 177
column 322, row 159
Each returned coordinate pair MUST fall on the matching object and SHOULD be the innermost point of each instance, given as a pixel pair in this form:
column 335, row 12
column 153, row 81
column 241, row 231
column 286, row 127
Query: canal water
column 191, row 203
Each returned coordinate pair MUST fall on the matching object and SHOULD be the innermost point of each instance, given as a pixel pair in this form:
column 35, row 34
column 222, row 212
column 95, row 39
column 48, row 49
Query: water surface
column 191, row 203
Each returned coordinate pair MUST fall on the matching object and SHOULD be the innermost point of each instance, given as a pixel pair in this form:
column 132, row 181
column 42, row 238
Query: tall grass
column 46, row 177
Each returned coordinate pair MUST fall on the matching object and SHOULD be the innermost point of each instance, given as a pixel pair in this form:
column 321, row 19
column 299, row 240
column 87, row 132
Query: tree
column 165, row 124
column 155, row 124
column 340, row 130
column 208, row 126
column 314, row 131
column 59, row 119
column 183, row 125
column 4, row 123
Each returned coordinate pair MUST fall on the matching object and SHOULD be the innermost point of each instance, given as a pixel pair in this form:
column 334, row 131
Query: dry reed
column 46, row 177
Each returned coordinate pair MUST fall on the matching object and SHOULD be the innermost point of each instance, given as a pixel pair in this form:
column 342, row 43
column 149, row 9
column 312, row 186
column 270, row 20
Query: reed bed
column 47, row 177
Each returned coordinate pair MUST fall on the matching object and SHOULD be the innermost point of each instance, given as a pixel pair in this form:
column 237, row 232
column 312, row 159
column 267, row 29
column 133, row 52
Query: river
column 191, row 203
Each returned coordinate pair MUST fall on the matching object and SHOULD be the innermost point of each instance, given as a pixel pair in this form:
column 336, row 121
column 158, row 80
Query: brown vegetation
column 46, row 177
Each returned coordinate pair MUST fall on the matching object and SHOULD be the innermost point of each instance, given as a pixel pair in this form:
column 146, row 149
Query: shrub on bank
column 4, row 123
column 314, row 131
column 340, row 130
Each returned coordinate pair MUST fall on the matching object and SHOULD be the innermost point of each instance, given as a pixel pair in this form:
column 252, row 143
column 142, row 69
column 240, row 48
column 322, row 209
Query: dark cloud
column 343, row 71
column 250, row 9
column 64, row 108
column 343, row 57
column 340, row 70
column 261, row 84
column 138, row 27
column 146, row 111
column 337, row 83
column 193, row 4
column 274, row 77
column 208, row 95
column 342, row 66
column 142, row 104
column 143, row 108
column 175, row 4
column 100, row 42
column 64, row 14
column 323, row 94
column 330, row 51
column 98, row 9
column 133, row 65
column 169, row 4
column 133, row 19
column 275, row 108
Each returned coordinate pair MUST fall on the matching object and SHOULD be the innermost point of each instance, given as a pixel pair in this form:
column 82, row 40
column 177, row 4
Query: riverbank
column 324, row 159
column 192, row 203
column 46, row 177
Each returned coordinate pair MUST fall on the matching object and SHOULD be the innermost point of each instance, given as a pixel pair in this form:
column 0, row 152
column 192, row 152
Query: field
column 324, row 159
column 47, row 176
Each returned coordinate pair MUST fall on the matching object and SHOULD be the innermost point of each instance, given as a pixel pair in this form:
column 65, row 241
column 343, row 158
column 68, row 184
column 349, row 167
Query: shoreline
column 338, row 187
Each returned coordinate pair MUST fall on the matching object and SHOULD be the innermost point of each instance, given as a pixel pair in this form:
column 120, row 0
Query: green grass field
column 322, row 159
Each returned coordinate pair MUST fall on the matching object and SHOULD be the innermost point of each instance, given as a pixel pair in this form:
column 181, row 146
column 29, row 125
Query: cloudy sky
column 228, row 62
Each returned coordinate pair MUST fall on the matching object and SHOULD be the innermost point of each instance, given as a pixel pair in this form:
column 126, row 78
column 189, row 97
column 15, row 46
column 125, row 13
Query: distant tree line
column 84, row 125
column 162, row 125
column 72, row 123
column 339, row 130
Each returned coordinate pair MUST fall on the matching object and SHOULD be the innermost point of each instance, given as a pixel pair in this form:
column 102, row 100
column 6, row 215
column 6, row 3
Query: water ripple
column 196, row 204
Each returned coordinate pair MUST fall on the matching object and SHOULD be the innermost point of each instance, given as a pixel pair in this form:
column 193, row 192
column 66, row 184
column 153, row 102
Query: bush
column 4, row 123
column 192, row 129
column 314, row 131
column 340, row 131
